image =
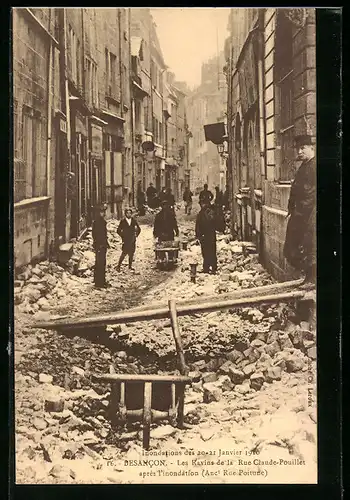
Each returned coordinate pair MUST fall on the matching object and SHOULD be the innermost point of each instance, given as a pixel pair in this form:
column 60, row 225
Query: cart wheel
column 147, row 415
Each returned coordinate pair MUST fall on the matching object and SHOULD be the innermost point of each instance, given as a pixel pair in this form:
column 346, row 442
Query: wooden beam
column 163, row 313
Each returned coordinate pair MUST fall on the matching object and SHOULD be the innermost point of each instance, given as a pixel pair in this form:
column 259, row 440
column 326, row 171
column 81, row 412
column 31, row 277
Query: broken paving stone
column 285, row 342
column 243, row 388
column 272, row 337
column 214, row 364
column 296, row 337
column 39, row 423
column 241, row 345
column 209, row 377
column 294, row 364
column 163, row 432
column 224, row 382
column 273, row 373
column 45, row 379
column 195, row 376
column 197, row 386
column 273, row 348
column 249, row 369
column 234, row 356
column 211, row 393
column 62, row 473
column 236, row 376
column 54, row 403
column 312, row 352
column 258, row 343
column 307, row 344
column 257, row 380
column 29, row 452
column 78, row 371
column 308, row 335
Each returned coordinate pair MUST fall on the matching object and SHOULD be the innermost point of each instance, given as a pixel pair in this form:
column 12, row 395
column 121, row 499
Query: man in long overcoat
column 165, row 224
column 129, row 231
column 300, row 242
column 100, row 243
column 206, row 234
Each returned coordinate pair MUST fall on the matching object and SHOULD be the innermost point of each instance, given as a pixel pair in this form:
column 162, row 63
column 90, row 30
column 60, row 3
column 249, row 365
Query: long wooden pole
column 163, row 313
column 287, row 286
column 177, row 337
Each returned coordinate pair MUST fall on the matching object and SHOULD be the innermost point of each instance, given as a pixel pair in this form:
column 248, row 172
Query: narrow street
column 251, row 370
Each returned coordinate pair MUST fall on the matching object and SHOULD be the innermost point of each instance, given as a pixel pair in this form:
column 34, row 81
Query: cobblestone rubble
column 251, row 367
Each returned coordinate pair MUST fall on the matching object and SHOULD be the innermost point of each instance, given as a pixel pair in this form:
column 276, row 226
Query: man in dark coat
column 170, row 198
column 141, row 199
column 219, row 210
column 165, row 224
column 151, row 195
column 206, row 234
column 128, row 230
column 205, row 196
column 100, row 243
column 187, row 197
column 300, row 242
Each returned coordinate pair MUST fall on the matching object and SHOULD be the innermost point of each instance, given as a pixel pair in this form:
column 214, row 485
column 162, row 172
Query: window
column 111, row 74
column 29, row 171
column 72, row 54
column 284, row 97
column 91, row 83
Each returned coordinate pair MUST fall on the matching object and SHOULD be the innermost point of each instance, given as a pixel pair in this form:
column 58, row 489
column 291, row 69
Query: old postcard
column 164, row 245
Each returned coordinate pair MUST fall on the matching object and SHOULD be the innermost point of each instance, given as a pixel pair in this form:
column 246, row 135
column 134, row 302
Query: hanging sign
column 96, row 140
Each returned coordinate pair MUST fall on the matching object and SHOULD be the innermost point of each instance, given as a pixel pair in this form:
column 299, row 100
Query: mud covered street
column 252, row 395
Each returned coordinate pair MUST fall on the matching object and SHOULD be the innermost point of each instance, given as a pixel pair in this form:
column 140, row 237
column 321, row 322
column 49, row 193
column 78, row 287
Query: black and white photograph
column 164, row 235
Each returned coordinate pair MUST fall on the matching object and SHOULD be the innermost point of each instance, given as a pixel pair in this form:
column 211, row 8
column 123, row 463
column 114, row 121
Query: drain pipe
column 262, row 123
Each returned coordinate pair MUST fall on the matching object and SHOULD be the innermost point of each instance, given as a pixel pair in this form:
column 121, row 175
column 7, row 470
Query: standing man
column 128, row 230
column 162, row 196
column 219, row 211
column 187, row 197
column 151, row 195
column 165, row 224
column 100, row 243
column 206, row 234
column 300, row 242
column 170, row 198
column 205, row 196
column 140, row 199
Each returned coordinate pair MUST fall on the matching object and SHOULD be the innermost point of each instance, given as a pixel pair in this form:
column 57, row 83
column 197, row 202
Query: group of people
column 300, row 241
column 153, row 198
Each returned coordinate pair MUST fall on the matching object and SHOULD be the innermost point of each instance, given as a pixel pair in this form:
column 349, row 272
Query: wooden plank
column 269, row 44
column 269, row 60
column 271, row 141
column 269, row 93
column 177, row 337
column 270, row 125
column 270, row 26
column 182, row 310
column 269, row 77
column 270, row 109
column 122, row 377
column 270, row 156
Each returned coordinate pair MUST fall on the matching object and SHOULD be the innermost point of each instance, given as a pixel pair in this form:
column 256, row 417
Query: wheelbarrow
column 150, row 398
column 167, row 254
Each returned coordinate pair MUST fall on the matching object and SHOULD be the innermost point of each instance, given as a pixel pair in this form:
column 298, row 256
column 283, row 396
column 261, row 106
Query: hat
column 304, row 140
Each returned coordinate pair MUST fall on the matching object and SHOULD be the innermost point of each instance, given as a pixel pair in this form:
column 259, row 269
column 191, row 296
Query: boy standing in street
column 128, row 230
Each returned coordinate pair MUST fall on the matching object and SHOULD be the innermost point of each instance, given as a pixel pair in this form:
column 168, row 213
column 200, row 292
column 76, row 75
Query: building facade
column 271, row 73
column 90, row 110
column 37, row 108
column 207, row 104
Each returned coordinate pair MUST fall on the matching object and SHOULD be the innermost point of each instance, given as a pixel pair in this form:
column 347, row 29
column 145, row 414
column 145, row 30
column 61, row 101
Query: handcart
column 167, row 254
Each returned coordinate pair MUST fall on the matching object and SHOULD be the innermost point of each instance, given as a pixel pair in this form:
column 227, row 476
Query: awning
column 112, row 115
column 215, row 132
column 136, row 46
column 98, row 120
column 139, row 89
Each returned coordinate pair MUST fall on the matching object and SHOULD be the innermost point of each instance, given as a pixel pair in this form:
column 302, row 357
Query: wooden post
column 177, row 336
column 147, row 414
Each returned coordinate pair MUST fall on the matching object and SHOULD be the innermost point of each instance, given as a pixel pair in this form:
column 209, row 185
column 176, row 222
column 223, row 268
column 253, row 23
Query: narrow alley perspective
column 164, row 260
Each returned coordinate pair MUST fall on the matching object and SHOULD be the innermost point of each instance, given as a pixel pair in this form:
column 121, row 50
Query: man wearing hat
column 100, row 243
column 165, row 224
column 129, row 231
column 300, row 242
